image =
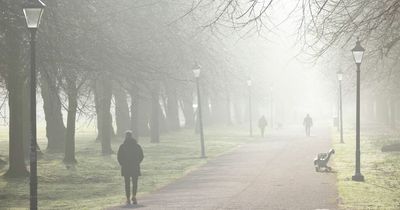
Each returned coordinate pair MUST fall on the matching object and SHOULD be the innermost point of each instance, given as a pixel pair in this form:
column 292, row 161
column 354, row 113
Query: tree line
column 91, row 53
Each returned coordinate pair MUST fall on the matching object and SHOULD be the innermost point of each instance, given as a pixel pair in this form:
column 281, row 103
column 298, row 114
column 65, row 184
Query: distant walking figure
column 308, row 123
column 130, row 155
column 262, row 123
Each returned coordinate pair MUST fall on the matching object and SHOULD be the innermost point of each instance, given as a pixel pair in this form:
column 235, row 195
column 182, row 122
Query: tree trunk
column 15, row 81
column 220, row 110
column 26, row 120
column 369, row 109
column 100, row 93
column 99, row 117
column 187, row 107
column 17, row 166
column 71, row 118
column 55, row 128
column 172, row 109
column 237, row 108
column 104, row 88
column 382, row 109
column 26, row 127
column 205, row 108
column 155, row 116
column 163, row 127
column 121, row 111
column 134, row 109
column 228, row 110
column 144, row 107
column 397, row 117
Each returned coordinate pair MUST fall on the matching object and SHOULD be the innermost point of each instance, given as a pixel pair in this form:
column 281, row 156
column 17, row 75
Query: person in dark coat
column 262, row 123
column 130, row 155
column 308, row 123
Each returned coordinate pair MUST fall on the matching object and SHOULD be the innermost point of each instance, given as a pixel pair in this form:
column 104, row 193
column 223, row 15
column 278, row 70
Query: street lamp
column 340, row 78
column 358, row 52
column 249, row 83
column 196, row 72
column 33, row 10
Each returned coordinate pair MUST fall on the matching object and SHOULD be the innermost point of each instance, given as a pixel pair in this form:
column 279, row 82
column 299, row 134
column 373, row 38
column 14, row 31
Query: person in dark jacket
column 130, row 155
column 308, row 123
column 262, row 123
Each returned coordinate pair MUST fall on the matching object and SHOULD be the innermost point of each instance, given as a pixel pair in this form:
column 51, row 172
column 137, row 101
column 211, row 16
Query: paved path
column 275, row 173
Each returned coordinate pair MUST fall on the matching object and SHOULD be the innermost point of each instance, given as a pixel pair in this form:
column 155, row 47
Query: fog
column 198, row 104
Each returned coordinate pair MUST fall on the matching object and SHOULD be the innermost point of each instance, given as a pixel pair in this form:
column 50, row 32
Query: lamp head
column 358, row 52
column 33, row 10
column 339, row 75
column 249, row 82
column 196, row 70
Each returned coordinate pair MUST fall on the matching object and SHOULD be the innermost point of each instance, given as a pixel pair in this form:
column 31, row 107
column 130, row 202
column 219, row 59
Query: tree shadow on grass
column 383, row 187
column 14, row 194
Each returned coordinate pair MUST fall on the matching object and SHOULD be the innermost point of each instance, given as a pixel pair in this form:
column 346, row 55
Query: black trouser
column 262, row 131
column 128, row 186
column 308, row 128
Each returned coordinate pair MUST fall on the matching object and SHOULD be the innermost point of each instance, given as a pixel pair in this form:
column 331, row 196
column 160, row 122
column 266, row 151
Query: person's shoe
column 128, row 202
column 134, row 201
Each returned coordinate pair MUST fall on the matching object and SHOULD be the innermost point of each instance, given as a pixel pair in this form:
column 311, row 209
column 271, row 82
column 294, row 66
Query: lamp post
column 358, row 52
column 249, row 84
column 33, row 10
column 340, row 78
column 196, row 72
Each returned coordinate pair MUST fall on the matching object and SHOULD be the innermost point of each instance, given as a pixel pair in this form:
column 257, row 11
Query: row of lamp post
column 358, row 53
column 196, row 72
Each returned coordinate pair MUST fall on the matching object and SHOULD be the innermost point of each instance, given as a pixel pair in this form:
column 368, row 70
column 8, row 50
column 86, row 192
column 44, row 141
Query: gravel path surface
column 274, row 173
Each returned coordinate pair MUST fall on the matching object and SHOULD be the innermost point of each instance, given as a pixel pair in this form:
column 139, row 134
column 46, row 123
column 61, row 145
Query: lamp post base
column 358, row 177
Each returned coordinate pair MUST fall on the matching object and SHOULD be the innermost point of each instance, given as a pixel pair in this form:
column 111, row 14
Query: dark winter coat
column 130, row 155
column 262, row 122
column 308, row 122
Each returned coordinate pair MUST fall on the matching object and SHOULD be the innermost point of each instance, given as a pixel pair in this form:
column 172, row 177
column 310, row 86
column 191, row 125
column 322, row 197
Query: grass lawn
column 95, row 182
column 381, row 189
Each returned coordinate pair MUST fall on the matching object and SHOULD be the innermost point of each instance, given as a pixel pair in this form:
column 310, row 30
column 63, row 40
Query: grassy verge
column 381, row 189
column 95, row 182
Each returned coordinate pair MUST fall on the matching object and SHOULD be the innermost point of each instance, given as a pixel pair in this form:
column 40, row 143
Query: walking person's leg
column 127, row 189
column 134, row 189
